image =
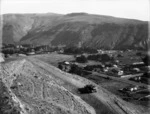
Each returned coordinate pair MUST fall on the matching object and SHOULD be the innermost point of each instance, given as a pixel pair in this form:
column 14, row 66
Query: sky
column 134, row 9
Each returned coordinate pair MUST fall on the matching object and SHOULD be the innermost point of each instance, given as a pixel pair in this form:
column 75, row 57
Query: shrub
column 81, row 59
column 146, row 60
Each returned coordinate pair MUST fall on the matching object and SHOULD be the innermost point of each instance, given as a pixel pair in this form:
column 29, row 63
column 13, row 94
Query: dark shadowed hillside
column 76, row 28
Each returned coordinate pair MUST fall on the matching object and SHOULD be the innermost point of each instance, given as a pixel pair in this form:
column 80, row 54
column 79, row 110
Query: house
column 117, row 61
column 140, row 79
column 64, row 66
column 134, row 88
column 121, row 72
column 131, row 89
column 136, row 78
column 19, row 46
column 21, row 55
column 66, row 62
column 128, row 89
column 145, row 98
column 136, row 69
column 106, row 69
column 31, row 53
column 117, row 71
column 138, row 65
column 61, row 51
column 100, row 51
column 115, row 66
column 148, row 68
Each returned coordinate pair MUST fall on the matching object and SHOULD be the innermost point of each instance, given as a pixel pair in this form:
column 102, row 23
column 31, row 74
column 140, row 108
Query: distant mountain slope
column 75, row 29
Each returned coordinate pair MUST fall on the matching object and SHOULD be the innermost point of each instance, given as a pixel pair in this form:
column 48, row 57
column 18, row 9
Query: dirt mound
column 39, row 92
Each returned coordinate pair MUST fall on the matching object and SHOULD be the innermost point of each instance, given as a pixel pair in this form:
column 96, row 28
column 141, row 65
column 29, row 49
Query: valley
column 27, row 78
column 76, row 63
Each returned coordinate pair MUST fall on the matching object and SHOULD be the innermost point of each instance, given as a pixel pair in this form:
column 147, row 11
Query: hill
column 75, row 29
column 31, row 86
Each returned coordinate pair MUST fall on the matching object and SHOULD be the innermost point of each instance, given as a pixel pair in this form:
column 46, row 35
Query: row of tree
column 76, row 50
column 100, row 57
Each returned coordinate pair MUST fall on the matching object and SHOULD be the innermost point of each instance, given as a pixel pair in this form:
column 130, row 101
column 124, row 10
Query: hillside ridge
column 72, row 29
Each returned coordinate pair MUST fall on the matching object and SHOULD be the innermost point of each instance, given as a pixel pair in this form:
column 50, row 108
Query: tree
column 139, row 54
column 72, row 50
column 146, row 60
column 60, row 66
column 81, row 59
column 75, row 70
column 106, row 58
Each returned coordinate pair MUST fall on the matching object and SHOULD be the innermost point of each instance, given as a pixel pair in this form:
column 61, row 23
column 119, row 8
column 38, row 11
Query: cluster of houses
column 28, row 49
column 113, row 68
column 145, row 78
column 64, row 66
column 139, row 93
column 125, row 70
column 106, row 68
column 131, row 89
column 100, row 68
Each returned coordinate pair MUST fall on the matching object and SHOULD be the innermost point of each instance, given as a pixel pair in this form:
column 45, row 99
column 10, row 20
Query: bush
column 75, row 70
column 102, row 57
column 146, row 60
column 76, row 50
column 72, row 50
column 92, row 67
column 89, row 50
column 94, row 57
column 81, row 59
column 119, row 55
column 139, row 54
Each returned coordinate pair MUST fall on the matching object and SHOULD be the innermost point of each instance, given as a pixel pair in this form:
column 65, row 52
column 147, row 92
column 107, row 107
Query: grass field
column 54, row 58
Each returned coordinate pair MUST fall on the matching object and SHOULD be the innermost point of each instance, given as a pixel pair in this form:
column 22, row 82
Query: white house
column 120, row 72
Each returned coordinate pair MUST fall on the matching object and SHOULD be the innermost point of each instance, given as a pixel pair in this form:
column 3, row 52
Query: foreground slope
column 38, row 92
column 75, row 29
column 39, row 88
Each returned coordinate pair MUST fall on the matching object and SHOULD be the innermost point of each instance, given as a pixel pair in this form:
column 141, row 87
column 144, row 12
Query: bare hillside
column 38, row 92
column 88, row 30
